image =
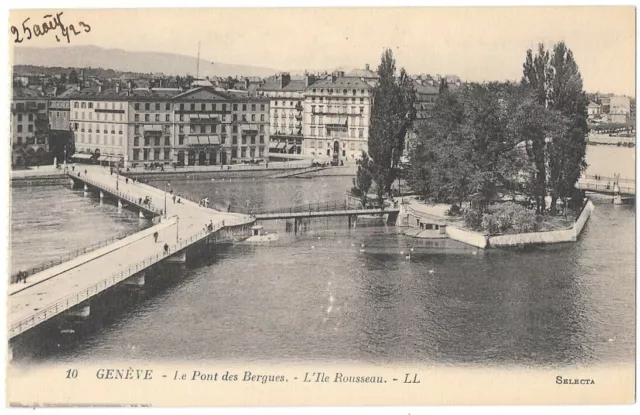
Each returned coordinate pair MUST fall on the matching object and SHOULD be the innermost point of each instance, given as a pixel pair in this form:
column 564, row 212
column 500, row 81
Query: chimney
column 246, row 83
column 129, row 86
column 285, row 78
column 309, row 79
column 100, row 88
column 366, row 66
column 82, row 76
column 78, row 87
column 56, row 91
column 117, row 88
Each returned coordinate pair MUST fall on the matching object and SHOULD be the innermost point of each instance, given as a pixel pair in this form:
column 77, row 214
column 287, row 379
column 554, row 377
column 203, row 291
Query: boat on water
column 258, row 236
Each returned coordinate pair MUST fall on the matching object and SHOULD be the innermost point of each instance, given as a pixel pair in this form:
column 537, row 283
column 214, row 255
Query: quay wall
column 44, row 180
column 204, row 175
column 564, row 235
column 468, row 237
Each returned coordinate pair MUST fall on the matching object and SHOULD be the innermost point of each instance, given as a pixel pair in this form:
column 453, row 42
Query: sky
column 477, row 44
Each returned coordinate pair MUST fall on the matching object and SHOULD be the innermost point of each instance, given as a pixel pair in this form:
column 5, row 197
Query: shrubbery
column 509, row 218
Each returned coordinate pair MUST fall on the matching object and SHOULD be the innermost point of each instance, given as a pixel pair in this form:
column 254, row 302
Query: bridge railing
column 609, row 179
column 609, row 188
column 116, row 192
column 66, row 257
column 74, row 299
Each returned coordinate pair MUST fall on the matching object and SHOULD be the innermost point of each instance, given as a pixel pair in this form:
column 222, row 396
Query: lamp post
column 165, row 199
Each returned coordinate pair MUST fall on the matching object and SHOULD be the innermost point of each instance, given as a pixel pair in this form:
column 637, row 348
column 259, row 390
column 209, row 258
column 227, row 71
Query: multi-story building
column 336, row 114
column 201, row 126
column 214, row 126
column 29, row 127
column 427, row 92
column 285, row 118
column 61, row 133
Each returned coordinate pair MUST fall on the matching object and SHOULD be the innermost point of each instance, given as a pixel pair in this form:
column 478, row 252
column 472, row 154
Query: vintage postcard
column 321, row 206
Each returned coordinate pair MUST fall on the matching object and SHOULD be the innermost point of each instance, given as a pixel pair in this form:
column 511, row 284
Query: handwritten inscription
column 50, row 25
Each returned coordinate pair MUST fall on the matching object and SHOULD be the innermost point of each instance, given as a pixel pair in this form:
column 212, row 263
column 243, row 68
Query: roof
column 342, row 82
column 427, row 89
column 362, row 73
column 26, row 93
column 274, row 85
column 145, row 94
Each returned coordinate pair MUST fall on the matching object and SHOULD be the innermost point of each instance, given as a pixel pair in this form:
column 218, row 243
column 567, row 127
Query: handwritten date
column 49, row 24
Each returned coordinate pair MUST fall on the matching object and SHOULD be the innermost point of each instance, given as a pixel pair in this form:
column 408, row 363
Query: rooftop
column 342, row 82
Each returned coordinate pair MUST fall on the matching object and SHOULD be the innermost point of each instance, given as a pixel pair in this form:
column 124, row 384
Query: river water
column 317, row 297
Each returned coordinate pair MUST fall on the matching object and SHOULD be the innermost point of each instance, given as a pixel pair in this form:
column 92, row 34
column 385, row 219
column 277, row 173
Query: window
column 157, row 117
column 361, row 110
column 146, row 141
column 261, row 117
column 361, row 133
column 181, row 140
column 235, row 107
column 83, row 105
column 136, row 117
column 235, row 129
column 262, row 107
column 244, row 107
column 223, row 139
column 261, row 139
column 181, row 107
column 253, row 140
column 203, row 129
column 167, row 106
column 234, row 153
column 75, row 105
column 224, row 107
column 156, row 154
column 136, row 141
column 156, row 141
column 234, row 139
column 253, row 107
column 19, row 117
column 167, row 153
column 192, row 129
column 30, row 128
column 145, row 154
column 19, row 128
column 203, row 107
column 136, row 154
column 193, row 107
column 147, row 106
column 253, row 117
column 235, row 117
column 30, row 117
column 166, row 117
column 146, row 117
column 167, row 141
column 157, row 106
column 181, row 117
column 244, row 140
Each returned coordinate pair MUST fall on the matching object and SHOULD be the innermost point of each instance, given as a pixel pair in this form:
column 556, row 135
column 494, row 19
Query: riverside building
column 29, row 127
column 336, row 114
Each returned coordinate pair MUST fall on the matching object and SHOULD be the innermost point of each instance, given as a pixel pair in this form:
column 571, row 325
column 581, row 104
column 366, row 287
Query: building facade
column 168, row 126
column 29, row 127
column 336, row 114
column 285, row 111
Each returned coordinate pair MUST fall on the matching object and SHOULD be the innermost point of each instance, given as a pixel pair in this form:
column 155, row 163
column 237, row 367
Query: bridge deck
column 606, row 187
column 317, row 214
column 48, row 295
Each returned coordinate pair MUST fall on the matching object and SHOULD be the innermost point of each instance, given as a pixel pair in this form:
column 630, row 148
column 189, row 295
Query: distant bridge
column 607, row 185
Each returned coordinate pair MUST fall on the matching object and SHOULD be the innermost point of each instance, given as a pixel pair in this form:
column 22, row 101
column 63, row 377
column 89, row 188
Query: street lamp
column 165, row 200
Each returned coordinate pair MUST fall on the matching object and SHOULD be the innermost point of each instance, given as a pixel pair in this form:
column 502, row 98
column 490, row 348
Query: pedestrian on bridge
column 155, row 237
column 126, row 180
column 166, row 248
column 174, row 198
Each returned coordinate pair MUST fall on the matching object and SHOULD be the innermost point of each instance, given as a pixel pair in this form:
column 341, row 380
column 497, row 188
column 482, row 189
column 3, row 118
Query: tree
column 557, row 83
column 363, row 179
column 229, row 83
column 63, row 78
column 392, row 114
column 444, row 86
column 73, row 77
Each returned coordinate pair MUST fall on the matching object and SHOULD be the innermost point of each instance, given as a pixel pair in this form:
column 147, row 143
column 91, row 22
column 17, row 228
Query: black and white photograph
column 321, row 206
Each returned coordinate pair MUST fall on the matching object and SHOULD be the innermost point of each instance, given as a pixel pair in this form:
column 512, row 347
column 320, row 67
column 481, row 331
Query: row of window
column 223, row 140
column 147, row 153
column 336, row 100
column 104, row 140
column 218, row 107
column 32, row 140
column 29, row 128
column 90, row 128
column 147, row 141
column 337, row 91
column 21, row 106
column 320, row 120
column 99, row 105
column 321, row 144
column 30, row 117
column 353, row 133
column 99, row 116
column 332, row 109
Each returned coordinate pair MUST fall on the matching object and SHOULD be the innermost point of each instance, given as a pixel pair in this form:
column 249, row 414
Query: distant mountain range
column 121, row 60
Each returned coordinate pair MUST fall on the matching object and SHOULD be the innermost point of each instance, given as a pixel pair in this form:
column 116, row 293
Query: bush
column 509, row 218
column 356, row 192
column 473, row 219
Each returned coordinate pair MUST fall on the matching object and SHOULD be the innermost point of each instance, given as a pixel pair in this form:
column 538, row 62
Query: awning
column 103, row 158
column 289, row 147
column 114, row 159
column 82, row 156
column 153, row 127
column 203, row 140
column 274, row 144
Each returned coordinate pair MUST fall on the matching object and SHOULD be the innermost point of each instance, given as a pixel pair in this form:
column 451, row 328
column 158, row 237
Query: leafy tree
column 444, row 86
column 73, row 77
column 363, row 180
column 229, row 83
column 557, row 83
column 392, row 114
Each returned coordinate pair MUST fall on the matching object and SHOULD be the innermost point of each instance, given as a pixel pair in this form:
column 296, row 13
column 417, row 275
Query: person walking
column 166, row 248
column 155, row 237
column 174, row 198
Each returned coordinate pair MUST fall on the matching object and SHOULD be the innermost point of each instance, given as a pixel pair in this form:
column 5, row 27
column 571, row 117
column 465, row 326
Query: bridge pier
column 137, row 280
column 119, row 204
column 178, row 258
column 101, row 195
column 82, row 311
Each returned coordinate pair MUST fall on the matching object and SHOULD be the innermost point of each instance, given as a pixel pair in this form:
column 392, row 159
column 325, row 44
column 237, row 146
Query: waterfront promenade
column 55, row 290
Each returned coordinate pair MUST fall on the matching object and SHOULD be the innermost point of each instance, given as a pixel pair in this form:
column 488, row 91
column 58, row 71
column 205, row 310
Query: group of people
column 209, row 227
column 22, row 276
column 204, row 202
